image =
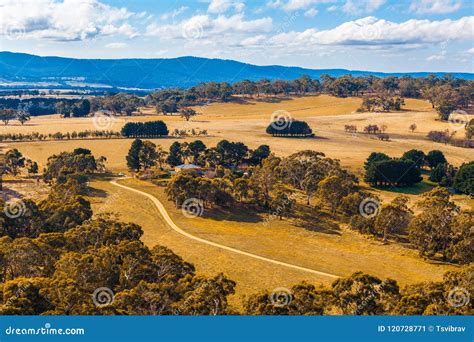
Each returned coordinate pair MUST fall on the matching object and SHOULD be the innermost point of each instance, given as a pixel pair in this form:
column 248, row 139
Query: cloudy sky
column 377, row 35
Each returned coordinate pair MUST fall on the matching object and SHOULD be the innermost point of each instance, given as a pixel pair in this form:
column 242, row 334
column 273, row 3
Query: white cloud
column 201, row 26
column 371, row 31
column 222, row 6
column 254, row 41
column 294, row 5
column 332, row 8
column 116, row 45
column 361, row 6
column 438, row 57
column 435, row 6
column 311, row 12
column 173, row 14
column 471, row 50
column 66, row 20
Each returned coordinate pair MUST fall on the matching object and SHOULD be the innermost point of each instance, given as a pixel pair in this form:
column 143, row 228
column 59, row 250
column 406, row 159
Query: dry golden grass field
column 247, row 122
column 317, row 243
column 320, row 244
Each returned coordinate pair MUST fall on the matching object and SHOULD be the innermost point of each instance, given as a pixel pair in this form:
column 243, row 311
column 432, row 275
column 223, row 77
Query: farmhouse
column 182, row 167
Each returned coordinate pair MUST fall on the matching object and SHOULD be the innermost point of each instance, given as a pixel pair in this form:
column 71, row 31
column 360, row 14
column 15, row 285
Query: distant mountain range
column 19, row 70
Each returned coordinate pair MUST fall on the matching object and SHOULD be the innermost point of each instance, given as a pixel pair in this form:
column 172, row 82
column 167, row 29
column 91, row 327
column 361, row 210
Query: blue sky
column 377, row 35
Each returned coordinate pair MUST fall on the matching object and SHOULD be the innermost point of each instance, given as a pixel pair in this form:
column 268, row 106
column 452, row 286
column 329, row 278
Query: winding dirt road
column 173, row 226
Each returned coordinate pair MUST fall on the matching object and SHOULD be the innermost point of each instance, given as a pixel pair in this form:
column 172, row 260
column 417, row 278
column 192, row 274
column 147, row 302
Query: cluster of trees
column 447, row 137
column 381, row 103
column 118, row 104
column 35, row 106
column 441, row 230
column 74, row 167
column 144, row 154
column 226, row 154
column 269, row 185
column 36, row 136
column 13, row 163
column 363, row 294
column 148, row 129
column 188, row 132
column 379, row 131
column 73, row 109
column 381, row 170
column 284, row 127
column 8, row 114
column 55, row 256
column 172, row 100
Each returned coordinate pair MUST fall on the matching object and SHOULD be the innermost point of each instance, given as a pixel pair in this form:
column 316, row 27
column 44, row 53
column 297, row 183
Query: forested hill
column 18, row 68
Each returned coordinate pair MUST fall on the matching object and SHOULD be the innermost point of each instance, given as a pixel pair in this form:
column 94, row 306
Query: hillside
column 20, row 70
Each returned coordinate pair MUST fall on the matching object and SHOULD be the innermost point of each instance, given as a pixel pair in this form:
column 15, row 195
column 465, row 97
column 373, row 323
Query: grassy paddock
column 314, row 242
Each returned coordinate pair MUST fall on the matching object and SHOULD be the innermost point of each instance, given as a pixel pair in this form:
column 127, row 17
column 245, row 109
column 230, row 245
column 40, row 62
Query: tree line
column 145, row 154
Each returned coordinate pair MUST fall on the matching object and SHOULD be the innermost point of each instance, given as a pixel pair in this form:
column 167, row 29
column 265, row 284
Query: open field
column 315, row 241
column 322, row 246
column 247, row 123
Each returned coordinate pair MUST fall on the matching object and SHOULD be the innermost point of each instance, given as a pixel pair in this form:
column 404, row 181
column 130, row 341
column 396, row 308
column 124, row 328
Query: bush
column 440, row 136
column 464, row 179
column 289, row 127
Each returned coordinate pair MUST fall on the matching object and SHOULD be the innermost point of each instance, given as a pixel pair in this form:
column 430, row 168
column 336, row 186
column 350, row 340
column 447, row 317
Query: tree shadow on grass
column 314, row 220
column 417, row 189
column 236, row 214
column 276, row 99
column 94, row 192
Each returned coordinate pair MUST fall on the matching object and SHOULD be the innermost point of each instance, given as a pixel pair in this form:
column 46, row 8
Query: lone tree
column 14, row 161
column 289, row 128
column 133, row 156
column 187, row 113
column 6, row 115
column 142, row 155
